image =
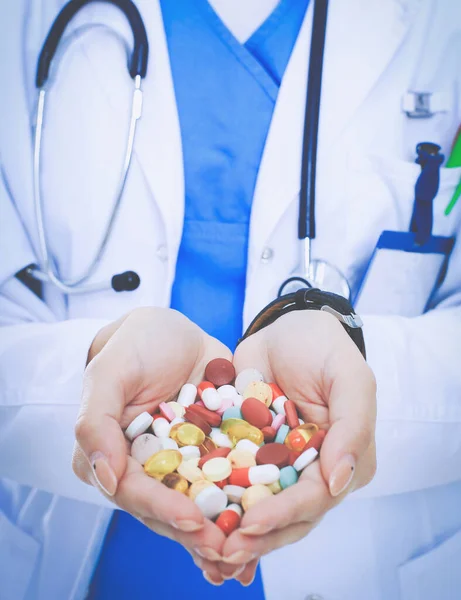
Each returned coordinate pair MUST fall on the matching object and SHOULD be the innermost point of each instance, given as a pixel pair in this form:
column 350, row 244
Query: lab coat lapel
column 371, row 31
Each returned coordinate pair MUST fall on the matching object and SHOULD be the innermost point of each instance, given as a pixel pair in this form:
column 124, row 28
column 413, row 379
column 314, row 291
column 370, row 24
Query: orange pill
column 291, row 414
column 276, row 391
column 240, row 477
column 296, row 440
column 222, row 483
column 203, row 386
column 229, row 519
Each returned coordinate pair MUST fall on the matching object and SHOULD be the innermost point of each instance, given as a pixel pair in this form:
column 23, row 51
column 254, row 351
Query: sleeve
column 417, row 364
column 41, row 367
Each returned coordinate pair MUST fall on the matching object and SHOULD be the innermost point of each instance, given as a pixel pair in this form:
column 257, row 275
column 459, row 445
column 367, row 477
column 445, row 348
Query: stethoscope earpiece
column 125, row 282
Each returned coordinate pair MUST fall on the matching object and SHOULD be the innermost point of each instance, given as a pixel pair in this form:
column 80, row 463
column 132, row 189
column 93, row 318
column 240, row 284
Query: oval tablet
column 245, row 377
column 196, row 419
column 220, row 371
column 269, row 434
column 256, row 413
column 273, row 454
column 139, row 425
column 255, row 494
column 210, row 416
column 217, row 469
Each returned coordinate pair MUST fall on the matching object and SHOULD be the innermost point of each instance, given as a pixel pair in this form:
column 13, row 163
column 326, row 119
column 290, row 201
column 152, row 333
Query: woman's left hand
column 310, row 356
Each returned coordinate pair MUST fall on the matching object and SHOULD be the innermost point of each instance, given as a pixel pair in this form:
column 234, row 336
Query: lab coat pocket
column 434, row 575
column 401, row 277
column 19, row 554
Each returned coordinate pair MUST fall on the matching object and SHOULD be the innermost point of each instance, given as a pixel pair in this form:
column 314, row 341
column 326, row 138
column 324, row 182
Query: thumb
column 352, row 410
column 98, row 431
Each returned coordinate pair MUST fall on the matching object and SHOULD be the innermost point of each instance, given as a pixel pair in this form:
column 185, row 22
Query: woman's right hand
column 134, row 364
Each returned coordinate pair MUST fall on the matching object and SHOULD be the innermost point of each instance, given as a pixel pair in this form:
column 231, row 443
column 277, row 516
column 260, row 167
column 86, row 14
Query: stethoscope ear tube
column 306, row 222
column 139, row 55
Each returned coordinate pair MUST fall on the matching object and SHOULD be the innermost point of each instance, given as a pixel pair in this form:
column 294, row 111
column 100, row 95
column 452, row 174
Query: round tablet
column 168, row 444
column 256, row 413
column 288, row 476
column 216, row 453
column 305, row 459
column 245, row 377
column 139, row 425
column 161, row 427
column 211, row 501
column 217, row 469
column 259, row 390
column 240, row 459
column 255, row 494
column 189, row 452
column 167, row 411
column 220, row 371
column 273, row 454
column 144, row 446
column 227, row 391
column 247, row 445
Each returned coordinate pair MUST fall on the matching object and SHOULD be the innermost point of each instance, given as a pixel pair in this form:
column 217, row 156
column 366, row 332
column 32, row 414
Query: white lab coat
column 399, row 538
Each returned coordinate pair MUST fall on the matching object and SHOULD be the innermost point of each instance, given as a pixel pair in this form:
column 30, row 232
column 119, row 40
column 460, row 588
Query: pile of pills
column 227, row 443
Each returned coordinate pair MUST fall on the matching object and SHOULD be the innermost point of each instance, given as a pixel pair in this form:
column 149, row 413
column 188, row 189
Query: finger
column 207, row 566
column 252, row 352
column 238, row 545
column 247, row 574
column 145, row 497
column 352, row 411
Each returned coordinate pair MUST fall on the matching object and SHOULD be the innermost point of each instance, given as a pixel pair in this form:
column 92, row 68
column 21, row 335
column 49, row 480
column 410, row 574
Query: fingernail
column 235, row 573
column 186, row 525
column 342, row 475
column 242, row 556
column 247, row 583
column 208, row 553
column 103, row 473
column 256, row 529
column 208, row 578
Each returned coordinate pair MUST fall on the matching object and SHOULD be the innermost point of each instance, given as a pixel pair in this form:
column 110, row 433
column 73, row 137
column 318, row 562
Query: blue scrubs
column 225, row 93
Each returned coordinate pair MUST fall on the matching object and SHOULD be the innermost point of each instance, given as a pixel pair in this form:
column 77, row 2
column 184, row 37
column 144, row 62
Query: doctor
column 221, row 133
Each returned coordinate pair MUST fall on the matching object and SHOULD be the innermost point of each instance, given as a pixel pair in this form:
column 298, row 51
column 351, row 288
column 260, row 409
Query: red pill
column 207, row 446
column 220, row 371
column 222, row 483
column 316, row 440
column 291, row 414
column 269, row 434
column 218, row 453
column 229, row 519
column 276, row 391
column 204, row 386
column 293, row 456
column 273, row 454
column 211, row 417
column 240, row 477
column 196, row 419
column 256, row 413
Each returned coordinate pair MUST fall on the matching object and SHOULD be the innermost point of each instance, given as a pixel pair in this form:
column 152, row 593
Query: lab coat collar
column 362, row 38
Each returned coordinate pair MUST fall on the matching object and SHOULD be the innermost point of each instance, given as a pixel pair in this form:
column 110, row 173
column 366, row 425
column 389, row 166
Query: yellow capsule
column 275, row 487
column 299, row 436
column 189, row 434
column 245, row 431
column 259, row 390
column 163, row 462
column 197, row 487
column 228, row 423
column 255, row 494
column 176, row 482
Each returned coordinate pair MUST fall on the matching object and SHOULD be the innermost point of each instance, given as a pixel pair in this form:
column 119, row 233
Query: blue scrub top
column 225, row 93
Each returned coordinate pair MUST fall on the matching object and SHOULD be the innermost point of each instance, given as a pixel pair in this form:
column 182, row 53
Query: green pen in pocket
column 455, row 161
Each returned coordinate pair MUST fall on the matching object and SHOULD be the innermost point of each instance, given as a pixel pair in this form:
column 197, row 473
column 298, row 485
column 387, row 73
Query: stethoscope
column 313, row 273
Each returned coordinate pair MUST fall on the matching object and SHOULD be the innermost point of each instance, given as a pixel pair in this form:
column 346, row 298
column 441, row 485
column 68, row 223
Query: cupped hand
column 134, row 364
column 310, row 356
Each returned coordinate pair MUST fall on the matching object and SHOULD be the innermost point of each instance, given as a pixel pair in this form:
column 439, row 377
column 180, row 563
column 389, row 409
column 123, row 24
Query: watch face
column 322, row 275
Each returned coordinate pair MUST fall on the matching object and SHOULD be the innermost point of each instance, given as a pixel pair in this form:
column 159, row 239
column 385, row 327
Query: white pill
column 176, row 421
column 144, row 446
column 305, row 459
column 161, row 427
column 237, row 400
column 168, row 444
column 245, row 377
column 236, row 508
column 234, row 492
column 190, row 452
column 221, row 439
column 211, row 501
column 227, row 391
column 264, row 474
column 190, row 470
column 247, row 445
column 217, row 469
column 278, row 405
column 139, row 425
column 187, row 395
column 211, row 399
